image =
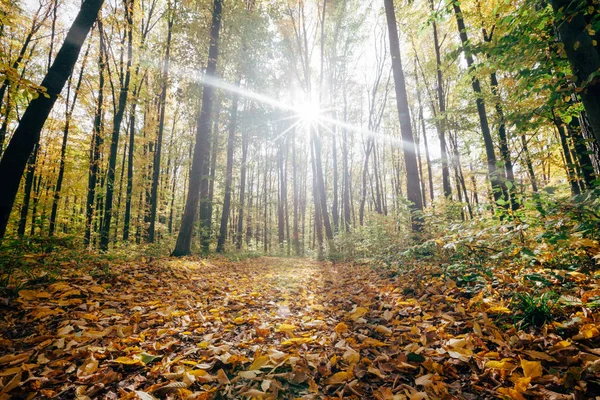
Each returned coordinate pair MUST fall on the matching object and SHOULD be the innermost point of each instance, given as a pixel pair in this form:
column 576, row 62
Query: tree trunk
column 583, row 56
column 498, row 189
column 413, row 190
column 117, row 120
column 228, row 174
column 569, row 165
column 184, row 239
column 161, row 127
column 441, row 124
column 240, row 224
column 27, row 134
column 97, row 141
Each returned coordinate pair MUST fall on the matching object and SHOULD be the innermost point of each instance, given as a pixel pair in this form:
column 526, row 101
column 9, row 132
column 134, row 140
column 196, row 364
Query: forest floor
column 283, row 328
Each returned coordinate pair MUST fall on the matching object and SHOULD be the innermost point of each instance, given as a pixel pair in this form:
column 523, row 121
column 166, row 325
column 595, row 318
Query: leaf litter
column 274, row 328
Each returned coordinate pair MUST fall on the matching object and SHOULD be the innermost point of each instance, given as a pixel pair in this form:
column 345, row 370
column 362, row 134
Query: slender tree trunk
column 295, row 227
column 581, row 153
column 243, row 167
column 184, row 239
column 441, row 124
column 365, row 172
column 96, row 144
column 117, row 120
column 498, row 189
column 228, row 174
column 154, row 200
column 28, row 187
column 27, row 134
column 529, row 164
column 427, row 156
column 569, row 165
column 214, row 147
column 412, row 174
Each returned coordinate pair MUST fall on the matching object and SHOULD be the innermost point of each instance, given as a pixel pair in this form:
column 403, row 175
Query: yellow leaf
column 504, row 364
column 127, row 361
column 531, row 369
column 341, row 328
column 338, row 378
column 499, row 310
column 587, row 331
column 28, row 295
column 358, row 313
column 351, row 356
column 521, row 384
column 296, row 341
column 259, row 362
column 373, row 342
column 286, row 328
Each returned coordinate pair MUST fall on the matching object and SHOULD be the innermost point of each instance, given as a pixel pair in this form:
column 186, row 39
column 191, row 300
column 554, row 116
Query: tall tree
column 116, row 128
column 161, row 126
column 228, row 174
column 27, row 134
column 184, row 238
column 498, row 189
column 413, row 190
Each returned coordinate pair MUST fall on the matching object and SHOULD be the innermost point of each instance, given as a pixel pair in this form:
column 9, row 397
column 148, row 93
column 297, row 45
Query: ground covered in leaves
column 285, row 328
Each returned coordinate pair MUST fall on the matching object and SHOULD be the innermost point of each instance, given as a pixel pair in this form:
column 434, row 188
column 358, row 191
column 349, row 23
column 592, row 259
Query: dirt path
column 262, row 328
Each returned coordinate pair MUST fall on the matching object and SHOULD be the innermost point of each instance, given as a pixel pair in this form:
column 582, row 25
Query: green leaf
column 149, row 358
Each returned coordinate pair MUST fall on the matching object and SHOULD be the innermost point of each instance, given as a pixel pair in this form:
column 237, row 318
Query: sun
column 308, row 112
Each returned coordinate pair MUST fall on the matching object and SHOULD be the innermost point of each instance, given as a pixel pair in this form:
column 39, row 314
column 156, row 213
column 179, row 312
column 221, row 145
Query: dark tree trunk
column 184, row 239
column 228, row 174
column 529, row 164
column 243, row 167
column 27, row 134
column 28, row 187
column 117, row 120
column 583, row 56
column 441, row 124
column 413, row 190
column 335, row 205
column 214, row 147
column 582, row 153
column 498, row 189
column 161, row 127
column 295, row 227
column 97, row 141
column 569, row 165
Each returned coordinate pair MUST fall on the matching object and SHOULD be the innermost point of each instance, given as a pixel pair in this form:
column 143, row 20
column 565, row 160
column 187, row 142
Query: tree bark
column 228, row 174
column 96, row 143
column 498, row 189
column 413, row 189
column 184, row 238
column 161, row 127
column 117, row 120
column 583, row 56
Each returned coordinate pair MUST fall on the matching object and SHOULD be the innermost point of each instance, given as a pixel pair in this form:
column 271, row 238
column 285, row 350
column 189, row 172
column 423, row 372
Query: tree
column 413, row 190
column 27, row 134
column 184, row 238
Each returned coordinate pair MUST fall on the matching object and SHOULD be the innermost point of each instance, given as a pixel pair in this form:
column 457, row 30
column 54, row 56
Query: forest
column 300, row 199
